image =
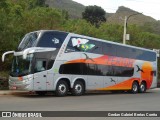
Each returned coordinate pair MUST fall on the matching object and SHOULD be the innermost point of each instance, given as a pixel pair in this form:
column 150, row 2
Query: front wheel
column 142, row 87
column 78, row 89
column 61, row 89
column 135, row 87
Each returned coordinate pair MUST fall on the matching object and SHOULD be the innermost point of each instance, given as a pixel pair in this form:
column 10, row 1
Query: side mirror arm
column 6, row 53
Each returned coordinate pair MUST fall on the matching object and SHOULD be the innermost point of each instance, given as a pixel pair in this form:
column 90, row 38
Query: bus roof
column 97, row 39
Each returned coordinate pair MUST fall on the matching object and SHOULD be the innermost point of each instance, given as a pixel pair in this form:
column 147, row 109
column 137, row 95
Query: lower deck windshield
column 20, row 66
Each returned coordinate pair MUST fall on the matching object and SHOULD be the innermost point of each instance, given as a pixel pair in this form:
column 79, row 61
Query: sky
column 147, row 7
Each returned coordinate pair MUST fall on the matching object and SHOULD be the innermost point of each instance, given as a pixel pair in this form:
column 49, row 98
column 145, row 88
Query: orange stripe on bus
column 106, row 60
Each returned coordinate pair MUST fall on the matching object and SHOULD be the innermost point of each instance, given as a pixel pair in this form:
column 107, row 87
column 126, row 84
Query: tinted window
column 95, row 69
column 87, row 45
column 97, row 49
column 50, row 64
column 52, row 39
column 71, row 47
column 84, row 45
column 71, row 69
column 138, row 54
column 126, row 52
column 40, row 65
column 109, row 49
column 145, row 55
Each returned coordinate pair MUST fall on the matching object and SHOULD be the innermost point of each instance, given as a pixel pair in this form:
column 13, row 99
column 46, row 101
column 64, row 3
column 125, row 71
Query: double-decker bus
column 62, row 62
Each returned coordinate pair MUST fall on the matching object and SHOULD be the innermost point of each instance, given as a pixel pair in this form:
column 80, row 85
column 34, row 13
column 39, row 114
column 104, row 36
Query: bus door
column 40, row 75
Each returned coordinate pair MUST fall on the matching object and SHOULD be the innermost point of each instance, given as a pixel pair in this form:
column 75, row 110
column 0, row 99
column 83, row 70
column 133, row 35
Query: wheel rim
column 62, row 88
column 135, row 88
column 142, row 87
column 78, row 88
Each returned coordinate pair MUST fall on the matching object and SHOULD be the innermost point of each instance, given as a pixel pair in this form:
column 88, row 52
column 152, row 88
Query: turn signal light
column 20, row 78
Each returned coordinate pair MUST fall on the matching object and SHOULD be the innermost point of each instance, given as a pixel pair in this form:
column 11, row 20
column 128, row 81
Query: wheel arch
column 137, row 81
column 144, row 82
column 66, row 79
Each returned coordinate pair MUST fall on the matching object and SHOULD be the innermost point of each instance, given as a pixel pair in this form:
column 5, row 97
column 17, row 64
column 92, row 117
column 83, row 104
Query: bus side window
column 97, row 49
column 124, row 52
column 40, row 65
column 50, row 64
column 70, row 47
column 109, row 49
column 83, row 45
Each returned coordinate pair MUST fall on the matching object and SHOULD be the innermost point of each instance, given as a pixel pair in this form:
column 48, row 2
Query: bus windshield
column 20, row 66
column 51, row 39
column 28, row 41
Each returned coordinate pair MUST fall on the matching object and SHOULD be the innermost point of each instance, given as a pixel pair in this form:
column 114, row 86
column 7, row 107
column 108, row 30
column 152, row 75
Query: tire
column 135, row 88
column 41, row 93
column 142, row 87
column 78, row 89
column 61, row 89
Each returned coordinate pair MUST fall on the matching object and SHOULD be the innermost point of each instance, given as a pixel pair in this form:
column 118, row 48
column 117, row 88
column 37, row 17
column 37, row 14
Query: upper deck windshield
column 51, row 39
column 28, row 41
column 20, row 66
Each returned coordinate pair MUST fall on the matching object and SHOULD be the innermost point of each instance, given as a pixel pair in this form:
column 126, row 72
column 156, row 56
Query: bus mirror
column 6, row 53
column 24, row 56
column 25, row 52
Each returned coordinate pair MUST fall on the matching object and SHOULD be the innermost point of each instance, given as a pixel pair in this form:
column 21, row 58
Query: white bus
column 62, row 62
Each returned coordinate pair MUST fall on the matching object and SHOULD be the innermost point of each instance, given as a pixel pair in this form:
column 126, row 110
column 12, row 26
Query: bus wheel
column 78, row 88
column 41, row 93
column 135, row 87
column 61, row 89
column 142, row 87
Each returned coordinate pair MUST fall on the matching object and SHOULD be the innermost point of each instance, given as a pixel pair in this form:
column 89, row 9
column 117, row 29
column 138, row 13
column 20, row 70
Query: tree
column 94, row 14
column 37, row 3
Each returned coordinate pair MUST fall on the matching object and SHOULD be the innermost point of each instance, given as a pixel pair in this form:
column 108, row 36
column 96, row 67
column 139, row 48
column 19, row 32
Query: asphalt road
column 149, row 101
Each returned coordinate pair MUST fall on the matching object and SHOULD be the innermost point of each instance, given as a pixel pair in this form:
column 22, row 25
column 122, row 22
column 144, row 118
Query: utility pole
column 125, row 30
column 125, row 26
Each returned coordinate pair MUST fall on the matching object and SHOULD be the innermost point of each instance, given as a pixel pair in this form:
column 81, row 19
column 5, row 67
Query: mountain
column 74, row 9
column 122, row 11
